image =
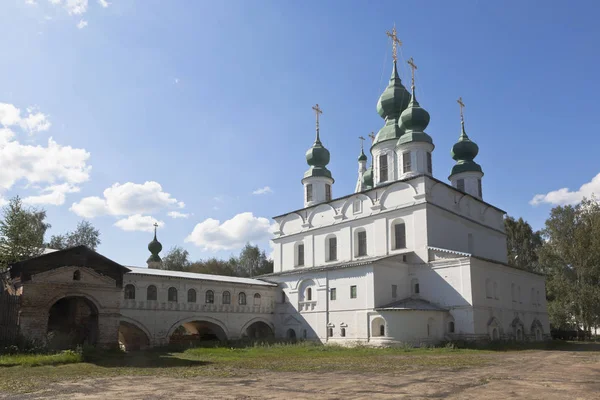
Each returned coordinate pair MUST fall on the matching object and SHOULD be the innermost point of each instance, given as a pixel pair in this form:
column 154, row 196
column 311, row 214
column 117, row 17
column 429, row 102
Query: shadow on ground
column 141, row 359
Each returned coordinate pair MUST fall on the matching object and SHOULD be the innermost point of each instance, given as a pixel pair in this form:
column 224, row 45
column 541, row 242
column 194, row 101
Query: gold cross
column 155, row 226
column 362, row 140
column 318, row 111
column 462, row 105
column 395, row 41
column 413, row 67
column 372, row 136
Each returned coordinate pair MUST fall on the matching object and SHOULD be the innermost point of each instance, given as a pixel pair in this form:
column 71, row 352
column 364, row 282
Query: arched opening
column 451, row 327
column 151, row 293
column 226, row 297
column 519, row 334
column 309, row 294
column 209, row 297
column 72, row 321
column 538, row 334
column 242, row 299
column 191, row 296
column 77, row 275
column 197, row 332
column 172, row 294
column 259, row 330
column 131, row 337
column 256, row 299
column 291, row 334
column 495, row 334
column 129, row 292
column 378, row 327
column 343, row 332
column 330, row 332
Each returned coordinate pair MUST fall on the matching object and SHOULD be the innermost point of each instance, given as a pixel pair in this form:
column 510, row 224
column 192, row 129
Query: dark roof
column 410, row 303
column 78, row 256
column 327, row 267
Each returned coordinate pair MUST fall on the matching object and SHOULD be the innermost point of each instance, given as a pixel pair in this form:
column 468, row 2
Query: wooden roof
column 78, row 256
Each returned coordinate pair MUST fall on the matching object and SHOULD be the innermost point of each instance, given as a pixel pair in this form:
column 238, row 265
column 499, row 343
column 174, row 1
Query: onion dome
column 154, row 247
column 392, row 102
column 362, row 156
column 317, row 157
column 413, row 122
column 464, row 151
column 367, row 178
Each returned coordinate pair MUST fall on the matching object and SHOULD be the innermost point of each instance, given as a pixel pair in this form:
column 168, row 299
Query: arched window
column 451, row 327
column 360, row 243
column 129, row 292
column 151, row 293
column 172, row 295
column 209, row 297
column 330, row 332
column 226, row 297
column 398, row 235
column 331, row 248
column 77, row 275
column 415, row 286
column 378, row 327
column 343, row 332
column 191, row 296
column 309, row 294
column 488, row 288
column 256, row 299
column 242, row 299
column 283, row 297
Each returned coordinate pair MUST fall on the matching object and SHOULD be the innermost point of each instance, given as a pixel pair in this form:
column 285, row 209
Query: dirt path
column 523, row 375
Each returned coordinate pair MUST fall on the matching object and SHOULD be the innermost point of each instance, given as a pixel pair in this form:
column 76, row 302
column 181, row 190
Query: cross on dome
column 395, row 42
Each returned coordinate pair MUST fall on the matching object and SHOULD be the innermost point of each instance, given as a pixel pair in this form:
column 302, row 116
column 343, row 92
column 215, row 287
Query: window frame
column 330, row 247
column 242, row 299
column 353, row 292
column 460, row 184
column 332, row 294
column 226, row 295
column 170, row 298
column 479, row 188
column 300, row 255
column 209, row 297
column 309, row 192
column 361, row 244
column 357, row 206
column 395, row 226
column 257, row 299
column 383, row 168
column 406, row 162
column 192, row 295
column 129, row 292
column 429, row 163
column 154, row 290
column 327, row 192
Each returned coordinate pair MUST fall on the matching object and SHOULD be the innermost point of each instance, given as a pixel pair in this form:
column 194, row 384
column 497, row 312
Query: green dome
column 362, row 156
column 317, row 155
column 154, row 247
column 392, row 102
column 413, row 122
column 464, row 151
column 367, row 179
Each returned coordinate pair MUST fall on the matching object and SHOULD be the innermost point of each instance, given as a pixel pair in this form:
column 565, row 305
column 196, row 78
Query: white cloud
column 232, row 234
column 53, row 195
column 35, row 121
column 263, row 190
column 126, row 199
column 31, row 2
column 177, row 214
column 104, row 3
column 55, row 2
column 82, row 24
column 138, row 222
column 565, row 196
column 76, row 7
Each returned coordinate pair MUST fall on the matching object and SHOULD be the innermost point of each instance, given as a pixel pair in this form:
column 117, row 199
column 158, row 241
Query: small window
column 343, row 332
column 362, row 243
column 383, row 168
column 172, row 294
column 327, row 192
column 309, row 192
column 300, row 255
column 406, row 162
column 283, row 297
column 309, row 294
column 451, row 327
column 332, row 249
column 381, row 330
column 357, row 206
column 151, row 293
column 394, row 291
column 460, row 185
column 209, row 297
column 242, row 299
column 77, row 275
column 479, row 191
column 129, row 292
column 304, row 334
column 227, row 297
column 256, row 299
column 353, row 291
column 330, row 332
column 415, row 286
column 429, row 163
column 191, row 296
column 417, row 290
column 399, row 236
column 332, row 294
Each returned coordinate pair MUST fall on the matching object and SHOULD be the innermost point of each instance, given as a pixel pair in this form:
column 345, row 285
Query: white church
column 406, row 258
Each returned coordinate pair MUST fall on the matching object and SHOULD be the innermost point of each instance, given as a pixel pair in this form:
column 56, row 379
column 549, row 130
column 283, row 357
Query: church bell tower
column 317, row 180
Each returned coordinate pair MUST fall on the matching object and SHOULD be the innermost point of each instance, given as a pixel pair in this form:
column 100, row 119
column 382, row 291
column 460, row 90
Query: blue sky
column 157, row 108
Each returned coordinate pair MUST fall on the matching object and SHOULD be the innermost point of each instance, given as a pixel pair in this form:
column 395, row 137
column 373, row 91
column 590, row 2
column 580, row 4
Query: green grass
column 34, row 360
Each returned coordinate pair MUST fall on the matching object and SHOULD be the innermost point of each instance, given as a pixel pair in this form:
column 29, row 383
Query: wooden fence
column 9, row 317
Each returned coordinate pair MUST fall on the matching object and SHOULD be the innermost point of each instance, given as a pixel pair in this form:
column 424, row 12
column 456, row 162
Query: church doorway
column 197, row 332
column 291, row 334
column 131, row 337
column 259, row 330
column 72, row 321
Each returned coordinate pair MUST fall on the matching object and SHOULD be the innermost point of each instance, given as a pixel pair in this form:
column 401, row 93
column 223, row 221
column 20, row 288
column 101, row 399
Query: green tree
column 212, row 266
column 570, row 258
column 22, row 232
column 177, row 259
column 523, row 244
column 252, row 262
column 84, row 234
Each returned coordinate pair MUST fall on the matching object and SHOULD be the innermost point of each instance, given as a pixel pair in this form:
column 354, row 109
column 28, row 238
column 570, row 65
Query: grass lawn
column 24, row 373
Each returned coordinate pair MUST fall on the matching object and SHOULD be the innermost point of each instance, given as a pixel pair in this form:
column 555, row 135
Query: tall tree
column 252, row 262
column 22, row 232
column 177, row 259
column 571, row 259
column 523, row 244
column 212, row 266
column 84, row 234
